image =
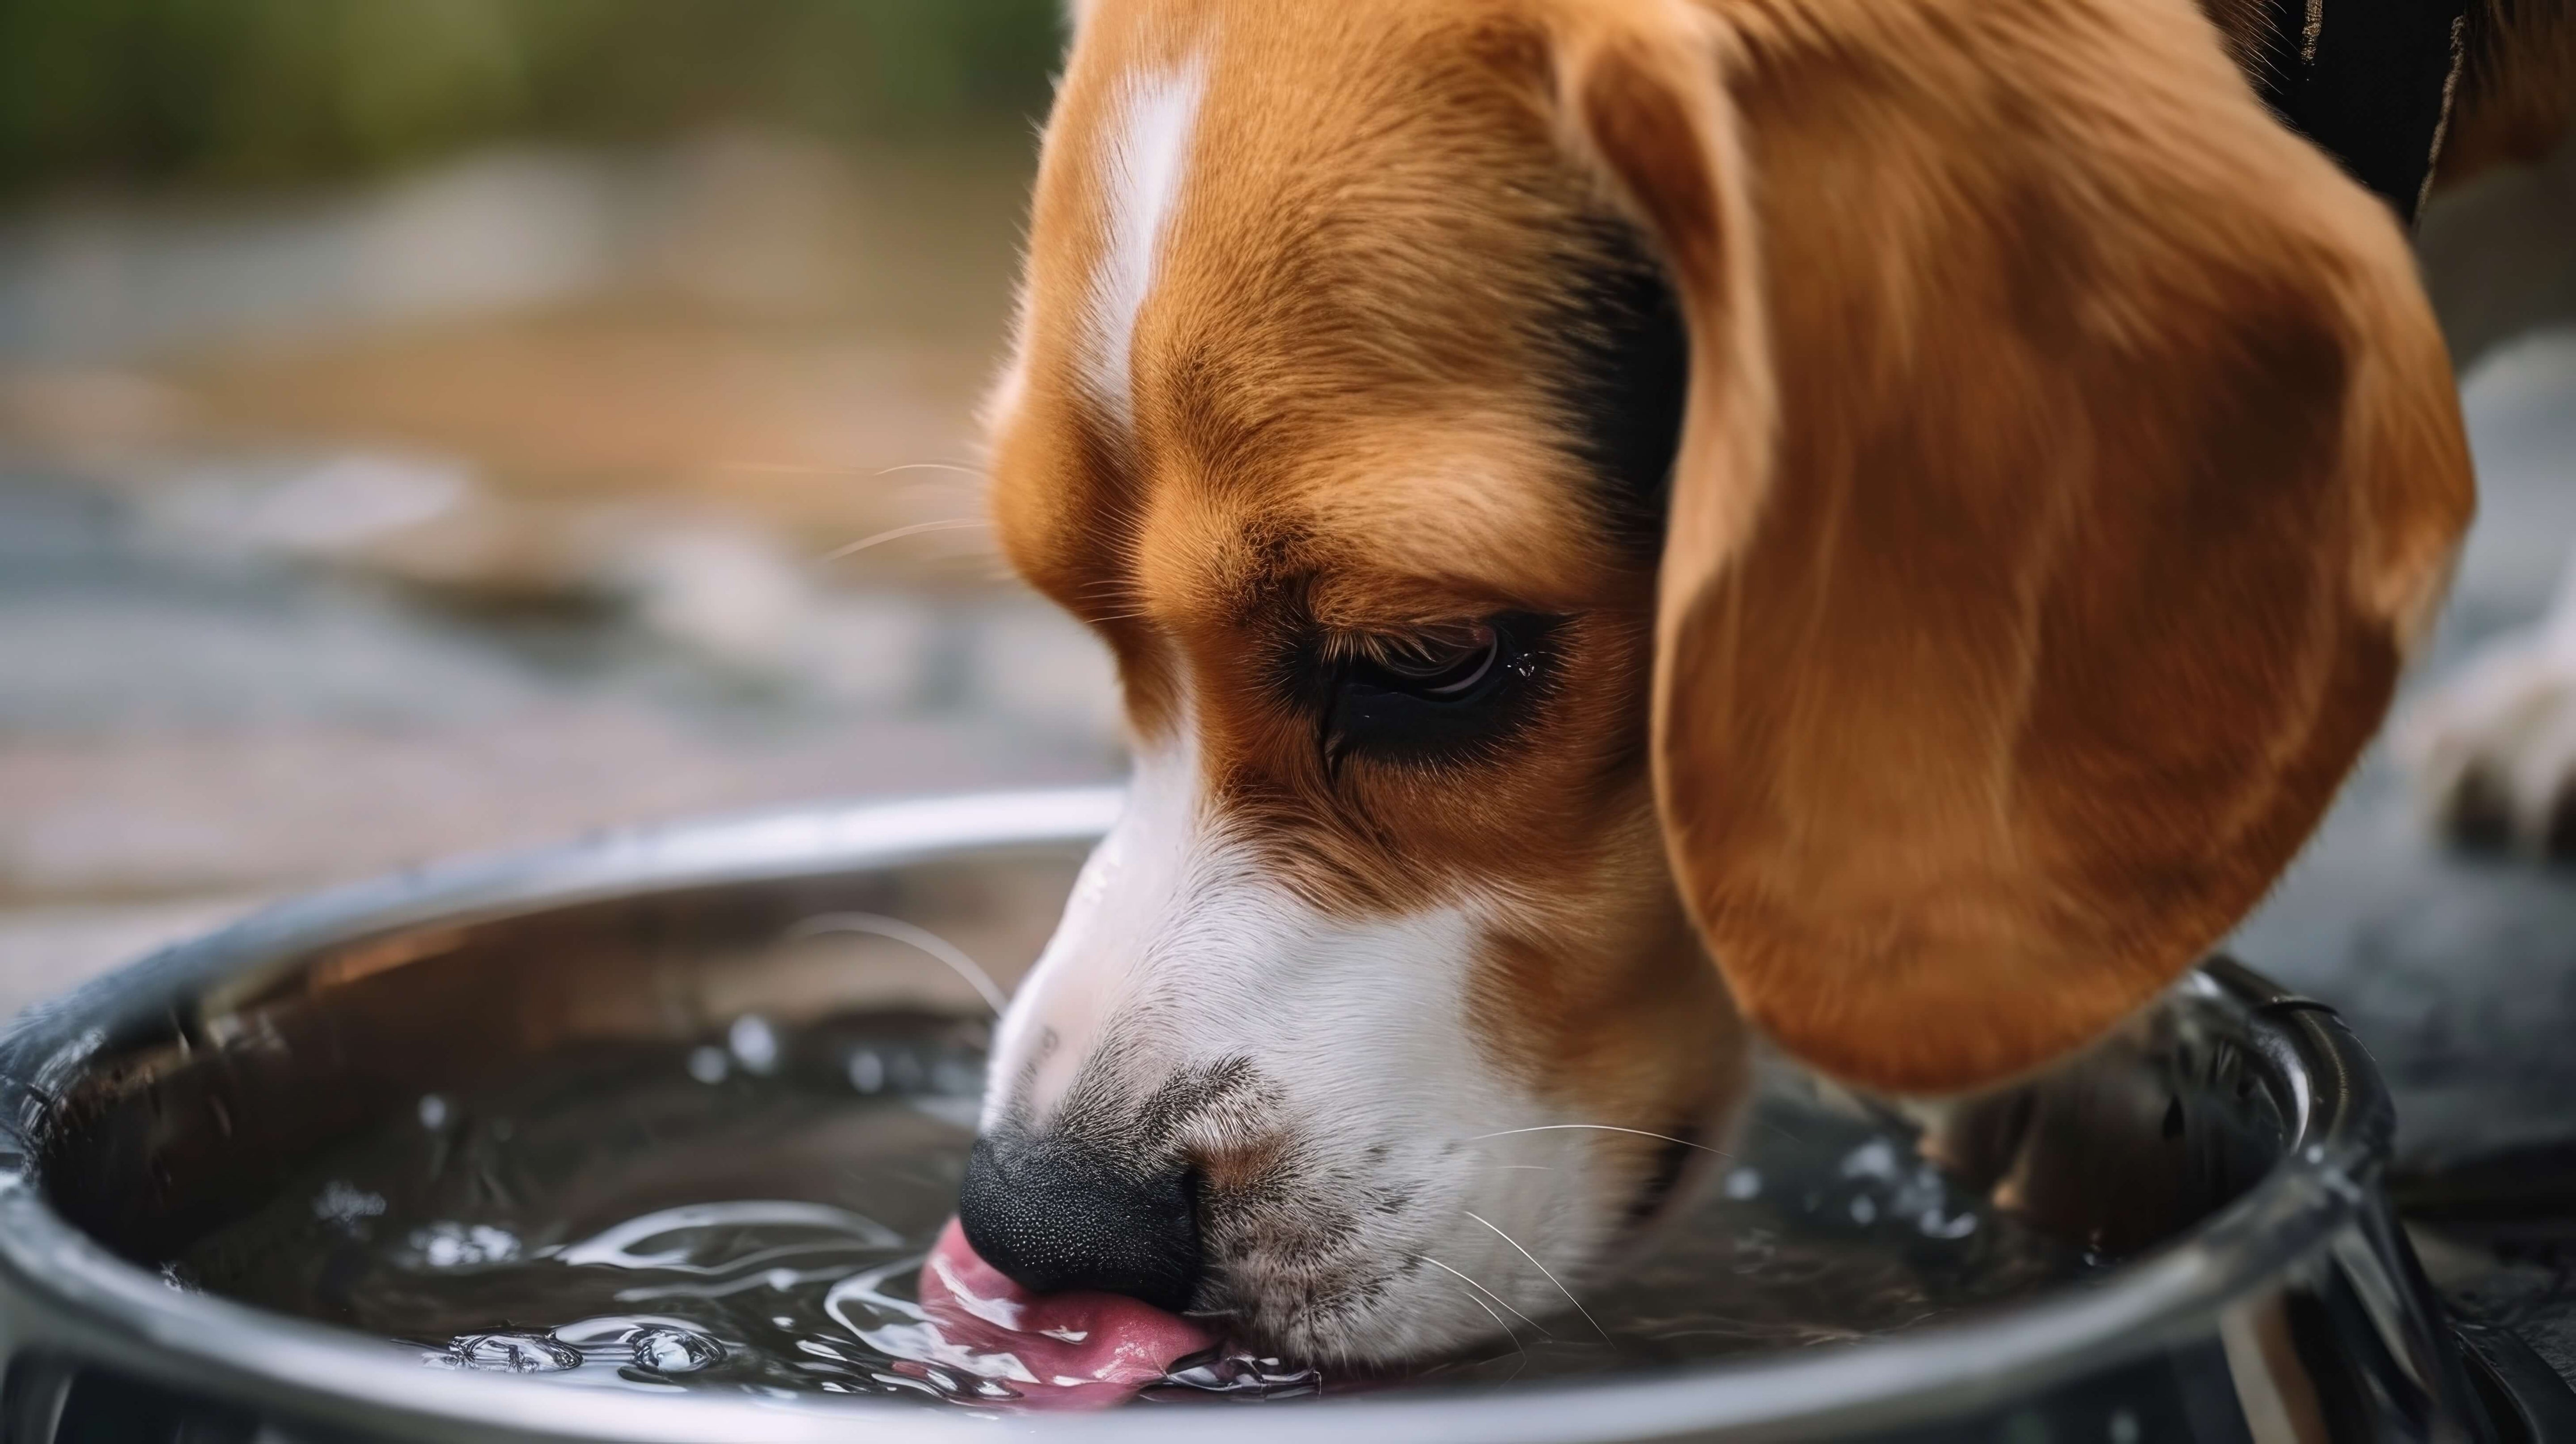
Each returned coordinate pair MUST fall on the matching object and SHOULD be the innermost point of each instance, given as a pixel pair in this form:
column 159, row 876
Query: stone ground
column 491, row 506
column 185, row 734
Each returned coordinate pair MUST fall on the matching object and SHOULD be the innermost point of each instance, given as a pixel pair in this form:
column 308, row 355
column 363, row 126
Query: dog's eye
column 1439, row 695
column 1446, row 668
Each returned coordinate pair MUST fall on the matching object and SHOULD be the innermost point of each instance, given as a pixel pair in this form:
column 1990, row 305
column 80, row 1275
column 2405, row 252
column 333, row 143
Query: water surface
column 748, row 1212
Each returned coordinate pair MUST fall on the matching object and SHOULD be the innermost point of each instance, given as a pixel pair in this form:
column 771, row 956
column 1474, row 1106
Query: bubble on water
column 662, row 1349
column 754, row 1043
column 867, row 1071
column 433, row 1112
column 1864, row 1209
column 451, row 1245
column 709, row 1065
column 515, row 1353
column 1874, row 1159
column 1744, row 1183
column 1932, row 1225
column 346, row 1204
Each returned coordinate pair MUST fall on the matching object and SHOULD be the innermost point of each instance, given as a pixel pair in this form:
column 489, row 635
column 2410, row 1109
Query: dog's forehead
column 1291, row 277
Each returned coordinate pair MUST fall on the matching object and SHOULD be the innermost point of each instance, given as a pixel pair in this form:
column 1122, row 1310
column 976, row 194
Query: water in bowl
column 748, row 1212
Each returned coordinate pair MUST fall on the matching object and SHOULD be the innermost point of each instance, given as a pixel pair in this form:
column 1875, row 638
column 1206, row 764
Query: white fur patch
column 1177, row 953
column 1145, row 162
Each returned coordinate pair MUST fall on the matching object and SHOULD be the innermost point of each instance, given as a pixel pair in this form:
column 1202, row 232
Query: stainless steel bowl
column 2231, row 1145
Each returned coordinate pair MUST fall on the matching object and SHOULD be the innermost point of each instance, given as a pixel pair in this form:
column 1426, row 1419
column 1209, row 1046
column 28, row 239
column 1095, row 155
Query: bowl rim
column 63, row 1293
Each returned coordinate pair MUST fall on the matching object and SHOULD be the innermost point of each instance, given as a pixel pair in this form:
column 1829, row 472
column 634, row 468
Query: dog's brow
column 1436, row 544
column 1372, row 604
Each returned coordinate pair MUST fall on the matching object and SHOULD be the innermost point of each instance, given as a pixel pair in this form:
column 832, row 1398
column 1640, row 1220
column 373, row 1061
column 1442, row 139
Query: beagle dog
column 1629, row 524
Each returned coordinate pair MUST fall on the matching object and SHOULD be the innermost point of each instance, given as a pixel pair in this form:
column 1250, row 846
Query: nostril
column 1055, row 1214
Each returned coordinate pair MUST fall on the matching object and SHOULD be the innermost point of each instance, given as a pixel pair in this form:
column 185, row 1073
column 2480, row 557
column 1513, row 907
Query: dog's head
column 1917, row 504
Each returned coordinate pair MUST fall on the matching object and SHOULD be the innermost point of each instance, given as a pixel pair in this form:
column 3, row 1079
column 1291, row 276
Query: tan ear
column 2071, row 458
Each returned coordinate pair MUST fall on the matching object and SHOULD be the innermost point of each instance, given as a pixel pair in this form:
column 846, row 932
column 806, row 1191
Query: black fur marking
column 1626, row 379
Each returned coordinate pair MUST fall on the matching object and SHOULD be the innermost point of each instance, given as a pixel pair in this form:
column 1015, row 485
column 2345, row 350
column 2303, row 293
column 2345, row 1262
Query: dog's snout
column 1055, row 1214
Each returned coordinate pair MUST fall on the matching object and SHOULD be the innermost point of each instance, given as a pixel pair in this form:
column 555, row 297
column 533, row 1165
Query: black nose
column 1056, row 1214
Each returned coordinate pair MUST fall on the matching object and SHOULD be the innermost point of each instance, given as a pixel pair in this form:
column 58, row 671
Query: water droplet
column 754, row 1043
column 867, row 1071
column 2124, row 1427
column 515, row 1353
column 450, row 1245
column 709, row 1065
column 1744, row 1183
column 1864, row 1209
column 433, row 1112
column 667, row 1350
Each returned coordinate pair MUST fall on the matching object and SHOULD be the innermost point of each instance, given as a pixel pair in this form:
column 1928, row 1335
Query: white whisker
column 1489, row 1293
column 896, row 929
column 1551, row 1278
column 954, row 523
column 1498, row 1323
column 1605, row 1128
column 976, row 472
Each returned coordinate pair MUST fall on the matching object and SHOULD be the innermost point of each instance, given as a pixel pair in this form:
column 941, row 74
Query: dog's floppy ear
column 2069, row 462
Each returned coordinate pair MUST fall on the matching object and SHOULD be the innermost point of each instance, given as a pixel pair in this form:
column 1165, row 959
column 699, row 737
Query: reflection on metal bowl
column 2214, row 1171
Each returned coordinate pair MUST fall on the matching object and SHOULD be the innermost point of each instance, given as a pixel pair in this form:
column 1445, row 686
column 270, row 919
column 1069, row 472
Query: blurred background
column 428, row 427
column 443, row 425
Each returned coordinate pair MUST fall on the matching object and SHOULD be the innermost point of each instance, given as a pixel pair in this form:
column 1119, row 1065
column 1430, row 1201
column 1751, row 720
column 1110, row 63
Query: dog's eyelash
column 1392, row 648
column 1446, row 694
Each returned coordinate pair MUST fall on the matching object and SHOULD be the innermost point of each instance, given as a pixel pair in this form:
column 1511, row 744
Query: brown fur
column 2070, row 460
column 2116, row 460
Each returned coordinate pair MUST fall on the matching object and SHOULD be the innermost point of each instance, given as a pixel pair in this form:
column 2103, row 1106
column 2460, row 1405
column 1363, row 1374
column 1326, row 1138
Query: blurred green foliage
column 258, row 91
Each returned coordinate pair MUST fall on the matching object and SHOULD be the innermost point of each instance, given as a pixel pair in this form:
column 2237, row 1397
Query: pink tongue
column 1075, row 1350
